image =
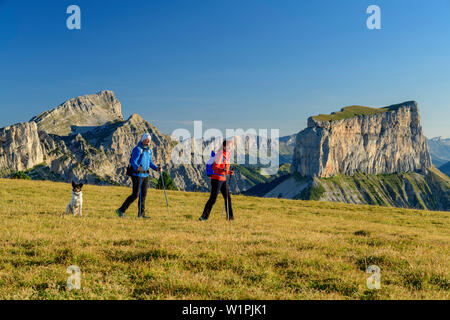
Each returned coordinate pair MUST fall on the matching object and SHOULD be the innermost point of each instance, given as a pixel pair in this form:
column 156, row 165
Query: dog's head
column 76, row 187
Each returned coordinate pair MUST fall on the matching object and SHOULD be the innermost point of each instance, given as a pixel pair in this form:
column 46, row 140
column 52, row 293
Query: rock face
column 365, row 156
column 86, row 139
column 81, row 113
column 20, row 147
column 100, row 155
column 378, row 143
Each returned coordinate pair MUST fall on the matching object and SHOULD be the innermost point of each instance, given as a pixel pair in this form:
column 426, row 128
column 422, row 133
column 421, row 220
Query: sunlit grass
column 275, row 249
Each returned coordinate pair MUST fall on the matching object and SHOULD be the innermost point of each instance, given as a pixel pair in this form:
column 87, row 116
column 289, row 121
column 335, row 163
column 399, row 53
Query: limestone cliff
column 366, row 156
column 20, row 147
column 365, row 140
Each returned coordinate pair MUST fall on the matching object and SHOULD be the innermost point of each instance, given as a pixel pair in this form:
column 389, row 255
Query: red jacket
column 221, row 166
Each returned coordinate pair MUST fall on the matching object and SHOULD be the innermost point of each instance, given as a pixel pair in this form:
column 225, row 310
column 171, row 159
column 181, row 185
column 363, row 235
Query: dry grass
column 275, row 249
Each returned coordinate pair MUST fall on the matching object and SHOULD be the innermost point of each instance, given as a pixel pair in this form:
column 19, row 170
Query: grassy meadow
column 275, row 249
column 353, row 111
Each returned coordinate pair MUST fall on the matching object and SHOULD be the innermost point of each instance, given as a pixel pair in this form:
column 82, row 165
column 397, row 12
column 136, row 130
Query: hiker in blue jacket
column 141, row 162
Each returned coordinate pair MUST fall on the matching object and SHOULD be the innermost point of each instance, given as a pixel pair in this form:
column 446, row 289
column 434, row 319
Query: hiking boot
column 202, row 219
column 120, row 213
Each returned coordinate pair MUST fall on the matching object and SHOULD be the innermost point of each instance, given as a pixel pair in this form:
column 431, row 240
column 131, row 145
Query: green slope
column 406, row 190
column 430, row 190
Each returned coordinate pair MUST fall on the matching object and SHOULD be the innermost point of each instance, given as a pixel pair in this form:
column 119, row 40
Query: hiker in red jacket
column 221, row 168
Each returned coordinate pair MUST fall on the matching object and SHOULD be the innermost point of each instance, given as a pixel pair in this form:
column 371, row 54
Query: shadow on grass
column 141, row 256
column 331, row 285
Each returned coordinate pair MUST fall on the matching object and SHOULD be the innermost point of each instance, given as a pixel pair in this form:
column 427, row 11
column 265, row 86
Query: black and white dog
column 76, row 203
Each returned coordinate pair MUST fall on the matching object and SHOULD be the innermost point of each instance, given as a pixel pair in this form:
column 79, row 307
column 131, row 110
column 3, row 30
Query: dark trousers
column 135, row 195
column 217, row 186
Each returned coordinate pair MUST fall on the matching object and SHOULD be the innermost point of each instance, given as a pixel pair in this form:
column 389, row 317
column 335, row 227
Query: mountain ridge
column 385, row 142
column 76, row 140
column 439, row 150
column 379, row 158
column 88, row 110
column 358, row 151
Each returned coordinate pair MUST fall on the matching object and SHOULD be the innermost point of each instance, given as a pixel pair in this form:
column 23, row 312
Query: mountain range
column 87, row 139
column 356, row 155
column 364, row 155
column 440, row 153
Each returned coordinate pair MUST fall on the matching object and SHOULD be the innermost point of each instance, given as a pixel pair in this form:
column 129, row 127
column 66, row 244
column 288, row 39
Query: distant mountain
column 363, row 139
column 364, row 155
column 357, row 155
column 287, row 146
column 439, row 150
column 80, row 114
column 86, row 139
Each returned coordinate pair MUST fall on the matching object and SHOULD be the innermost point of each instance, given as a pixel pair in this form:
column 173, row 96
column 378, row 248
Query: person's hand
column 139, row 169
column 231, row 173
column 160, row 169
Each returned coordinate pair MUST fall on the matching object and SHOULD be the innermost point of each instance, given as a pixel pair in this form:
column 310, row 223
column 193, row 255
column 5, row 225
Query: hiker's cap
column 146, row 136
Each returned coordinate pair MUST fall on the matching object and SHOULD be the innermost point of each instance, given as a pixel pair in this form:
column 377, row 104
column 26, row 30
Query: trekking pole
column 140, row 199
column 226, row 198
column 164, row 187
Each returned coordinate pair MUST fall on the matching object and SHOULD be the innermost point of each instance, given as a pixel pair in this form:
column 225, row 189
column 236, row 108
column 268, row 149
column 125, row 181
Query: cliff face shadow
column 81, row 129
column 97, row 135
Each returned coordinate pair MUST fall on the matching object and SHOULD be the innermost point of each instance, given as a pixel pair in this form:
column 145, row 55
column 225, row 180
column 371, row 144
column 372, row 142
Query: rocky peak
column 362, row 139
column 135, row 118
column 80, row 114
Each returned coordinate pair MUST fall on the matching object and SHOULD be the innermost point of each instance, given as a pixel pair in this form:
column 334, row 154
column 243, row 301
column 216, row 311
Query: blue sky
column 233, row 64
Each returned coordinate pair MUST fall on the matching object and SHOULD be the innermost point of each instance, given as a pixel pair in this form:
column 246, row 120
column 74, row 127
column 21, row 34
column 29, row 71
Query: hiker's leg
column 133, row 196
column 212, row 198
column 225, row 190
column 144, row 187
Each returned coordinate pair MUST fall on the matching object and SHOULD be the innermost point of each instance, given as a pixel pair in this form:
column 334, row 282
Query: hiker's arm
column 228, row 169
column 153, row 166
column 134, row 159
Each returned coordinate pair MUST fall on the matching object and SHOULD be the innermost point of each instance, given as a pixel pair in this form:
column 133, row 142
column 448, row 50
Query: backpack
column 209, row 164
column 130, row 169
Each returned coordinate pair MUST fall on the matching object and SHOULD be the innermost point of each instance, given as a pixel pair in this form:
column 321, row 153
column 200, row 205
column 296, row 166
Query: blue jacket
column 142, row 156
